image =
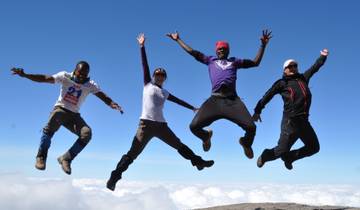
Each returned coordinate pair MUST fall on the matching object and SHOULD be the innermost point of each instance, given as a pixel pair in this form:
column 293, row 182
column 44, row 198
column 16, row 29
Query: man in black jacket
column 293, row 87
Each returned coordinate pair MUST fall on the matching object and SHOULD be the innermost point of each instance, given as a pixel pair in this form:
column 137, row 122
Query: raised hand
column 266, row 36
column 174, row 36
column 256, row 117
column 141, row 39
column 324, row 52
column 116, row 106
column 18, row 71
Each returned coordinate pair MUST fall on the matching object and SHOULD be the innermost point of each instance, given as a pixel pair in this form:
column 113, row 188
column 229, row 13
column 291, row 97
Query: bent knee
column 85, row 134
column 193, row 126
column 315, row 149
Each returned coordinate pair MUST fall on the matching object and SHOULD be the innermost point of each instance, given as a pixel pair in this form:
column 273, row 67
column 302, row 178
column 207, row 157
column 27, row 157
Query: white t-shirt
column 72, row 94
column 153, row 103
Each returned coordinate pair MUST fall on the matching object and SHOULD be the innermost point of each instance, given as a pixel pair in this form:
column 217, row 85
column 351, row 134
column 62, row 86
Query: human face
column 222, row 52
column 81, row 73
column 291, row 69
column 159, row 78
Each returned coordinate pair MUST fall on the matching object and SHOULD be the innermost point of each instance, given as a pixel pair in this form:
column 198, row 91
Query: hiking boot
column 288, row 165
column 40, row 163
column 65, row 164
column 204, row 164
column 114, row 178
column 260, row 163
column 207, row 143
column 247, row 150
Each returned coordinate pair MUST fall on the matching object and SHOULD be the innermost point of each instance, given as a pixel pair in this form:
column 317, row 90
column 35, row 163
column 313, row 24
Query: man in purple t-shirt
column 224, row 102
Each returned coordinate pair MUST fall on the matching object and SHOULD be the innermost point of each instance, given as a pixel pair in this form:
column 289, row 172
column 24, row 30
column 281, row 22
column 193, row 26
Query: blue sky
column 50, row 36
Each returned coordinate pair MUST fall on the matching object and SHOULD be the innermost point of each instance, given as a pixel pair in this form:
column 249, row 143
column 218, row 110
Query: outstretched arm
column 196, row 54
column 175, row 36
column 266, row 36
column 146, row 70
column 316, row 66
column 107, row 100
column 180, row 102
column 33, row 77
column 275, row 89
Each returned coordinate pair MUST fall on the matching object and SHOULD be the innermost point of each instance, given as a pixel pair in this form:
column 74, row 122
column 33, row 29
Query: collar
column 290, row 77
column 156, row 84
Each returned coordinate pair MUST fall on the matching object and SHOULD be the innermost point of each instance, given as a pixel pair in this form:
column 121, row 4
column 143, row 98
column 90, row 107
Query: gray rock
column 277, row 206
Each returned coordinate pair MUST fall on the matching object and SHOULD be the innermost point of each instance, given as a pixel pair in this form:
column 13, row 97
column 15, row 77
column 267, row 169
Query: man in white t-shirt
column 75, row 87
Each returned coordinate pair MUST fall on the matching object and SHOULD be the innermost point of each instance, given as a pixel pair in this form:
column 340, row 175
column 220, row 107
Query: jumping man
column 295, row 92
column 224, row 102
column 75, row 87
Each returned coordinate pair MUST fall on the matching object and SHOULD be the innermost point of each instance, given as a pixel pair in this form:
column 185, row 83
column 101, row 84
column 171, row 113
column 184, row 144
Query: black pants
column 218, row 107
column 291, row 130
column 147, row 130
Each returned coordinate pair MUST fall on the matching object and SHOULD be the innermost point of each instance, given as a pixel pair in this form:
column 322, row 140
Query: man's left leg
column 79, row 127
column 310, row 140
column 288, row 137
column 235, row 110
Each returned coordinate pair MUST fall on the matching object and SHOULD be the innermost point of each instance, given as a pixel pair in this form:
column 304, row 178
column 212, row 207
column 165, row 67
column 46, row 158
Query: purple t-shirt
column 222, row 72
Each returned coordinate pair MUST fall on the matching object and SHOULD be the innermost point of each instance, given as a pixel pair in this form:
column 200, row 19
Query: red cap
column 223, row 44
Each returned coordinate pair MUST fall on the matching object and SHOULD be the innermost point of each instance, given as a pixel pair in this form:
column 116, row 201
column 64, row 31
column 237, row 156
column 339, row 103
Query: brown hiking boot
column 65, row 164
column 207, row 143
column 247, row 150
column 40, row 163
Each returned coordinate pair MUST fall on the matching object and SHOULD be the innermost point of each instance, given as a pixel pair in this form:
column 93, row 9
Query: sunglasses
column 160, row 74
column 292, row 66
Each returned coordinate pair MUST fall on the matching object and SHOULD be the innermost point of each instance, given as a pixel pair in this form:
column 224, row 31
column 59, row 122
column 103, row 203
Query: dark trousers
column 230, row 108
column 148, row 129
column 70, row 120
column 291, row 130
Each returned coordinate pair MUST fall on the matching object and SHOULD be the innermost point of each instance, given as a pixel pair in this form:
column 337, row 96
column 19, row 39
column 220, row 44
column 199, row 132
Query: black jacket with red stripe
column 294, row 91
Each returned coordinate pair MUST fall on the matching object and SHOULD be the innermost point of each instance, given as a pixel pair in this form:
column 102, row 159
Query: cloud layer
column 18, row 192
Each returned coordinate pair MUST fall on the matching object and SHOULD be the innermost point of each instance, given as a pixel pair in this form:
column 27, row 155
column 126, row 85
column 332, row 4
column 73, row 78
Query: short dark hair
column 84, row 64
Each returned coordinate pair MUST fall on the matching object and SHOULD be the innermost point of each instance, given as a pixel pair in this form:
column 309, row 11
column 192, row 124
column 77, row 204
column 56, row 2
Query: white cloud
column 18, row 192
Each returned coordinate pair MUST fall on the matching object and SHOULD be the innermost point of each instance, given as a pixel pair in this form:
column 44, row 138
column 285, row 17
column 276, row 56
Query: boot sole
column 60, row 162
column 259, row 162
column 40, row 168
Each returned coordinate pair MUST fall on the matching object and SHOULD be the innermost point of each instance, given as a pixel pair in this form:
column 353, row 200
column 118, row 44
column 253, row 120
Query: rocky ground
column 277, row 206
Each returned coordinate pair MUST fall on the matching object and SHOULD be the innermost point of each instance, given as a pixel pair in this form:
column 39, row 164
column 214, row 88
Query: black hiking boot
column 247, row 150
column 207, row 144
column 287, row 158
column 114, row 178
column 204, row 164
column 288, row 165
